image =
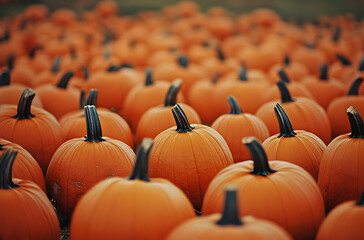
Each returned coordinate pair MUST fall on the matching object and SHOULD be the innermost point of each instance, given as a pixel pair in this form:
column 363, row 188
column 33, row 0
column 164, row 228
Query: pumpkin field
column 180, row 123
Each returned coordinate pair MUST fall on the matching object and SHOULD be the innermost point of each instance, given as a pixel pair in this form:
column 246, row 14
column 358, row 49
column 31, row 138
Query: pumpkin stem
column 285, row 94
column 5, row 79
column 182, row 123
column 24, row 105
column 287, row 61
column 10, row 62
column 360, row 201
column 243, row 74
column 92, row 97
column 220, row 54
column 85, row 72
column 56, row 65
column 140, row 170
column 310, row 45
column 344, row 61
column 171, row 97
column 33, row 50
column 234, row 106
column 285, row 126
column 148, row 78
column 183, row 61
column 65, row 80
column 94, row 132
column 354, row 89
column 113, row 68
column 106, row 54
column 6, row 166
column 230, row 214
column 323, row 72
column 6, row 36
column 336, row 35
column 215, row 78
column 261, row 165
column 361, row 65
column 282, row 74
column 356, row 123
column 82, row 99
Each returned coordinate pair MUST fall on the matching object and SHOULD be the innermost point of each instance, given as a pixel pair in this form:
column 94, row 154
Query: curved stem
column 94, row 132
column 148, row 78
column 344, row 61
column 56, row 65
column 24, row 105
column 243, row 74
column 287, row 61
column 285, row 94
column 182, row 123
column 361, row 65
column 5, row 79
column 230, row 214
column 215, row 78
column 220, row 54
column 140, row 170
column 65, row 80
column 82, row 99
column 285, row 126
column 354, row 89
column 336, row 35
column 356, row 123
column 360, row 201
column 234, row 106
column 10, row 62
column 282, row 74
column 183, row 61
column 6, row 166
column 171, row 97
column 323, row 72
column 261, row 165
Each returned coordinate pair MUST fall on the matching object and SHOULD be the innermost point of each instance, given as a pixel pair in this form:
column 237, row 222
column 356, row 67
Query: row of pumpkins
column 219, row 94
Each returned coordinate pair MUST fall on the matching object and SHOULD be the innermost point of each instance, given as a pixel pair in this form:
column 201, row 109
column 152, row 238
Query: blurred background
column 300, row 10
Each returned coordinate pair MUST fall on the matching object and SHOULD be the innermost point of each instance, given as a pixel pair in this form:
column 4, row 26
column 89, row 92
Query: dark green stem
column 261, row 165
column 182, row 123
column 285, row 126
column 361, row 65
column 336, row 35
column 230, row 214
column 171, row 97
column 282, row 74
column 323, row 72
column 24, row 105
column 360, row 201
column 94, row 132
column 56, row 65
column 140, row 170
column 33, row 50
column 6, row 167
column 354, row 89
column 183, row 61
column 215, row 78
column 85, row 72
column 356, row 123
column 344, row 61
column 92, row 97
column 113, row 68
column 63, row 83
column 220, row 54
column 287, row 61
column 234, row 106
column 243, row 74
column 10, row 62
column 6, row 36
column 285, row 94
column 5, row 79
column 148, row 77
column 82, row 99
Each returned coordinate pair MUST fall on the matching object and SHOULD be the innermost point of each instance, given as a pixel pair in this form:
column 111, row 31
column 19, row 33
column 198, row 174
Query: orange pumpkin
column 294, row 70
column 49, row 76
column 311, row 57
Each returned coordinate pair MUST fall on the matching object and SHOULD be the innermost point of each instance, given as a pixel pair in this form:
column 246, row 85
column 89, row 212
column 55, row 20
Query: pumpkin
column 236, row 125
column 298, row 147
column 336, row 109
column 311, row 57
column 159, row 118
column 294, row 200
column 342, row 69
column 129, row 206
column 199, row 152
column 344, row 221
column 37, row 61
column 228, row 224
column 294, row 70
column 19, row 73
column 340, row 177
column 305, row 113
column 52, row 95
column 99, row 158
column 24, row 206
column 33, row 128
column 48, row 76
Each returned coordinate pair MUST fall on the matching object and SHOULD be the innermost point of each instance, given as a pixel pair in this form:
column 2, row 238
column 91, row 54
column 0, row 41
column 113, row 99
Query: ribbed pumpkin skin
column 288, row 197
column 304, row 149
column 305, row 114
column 206, row 228
column 189, row 160
column 25, row 167
column 234, row 127
column 27, row 214
column 40, row 136
column 158, row 119
column 343, row 222
column 78, row 165
column 118, row 208
column 340, row 176
column 113, row 126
